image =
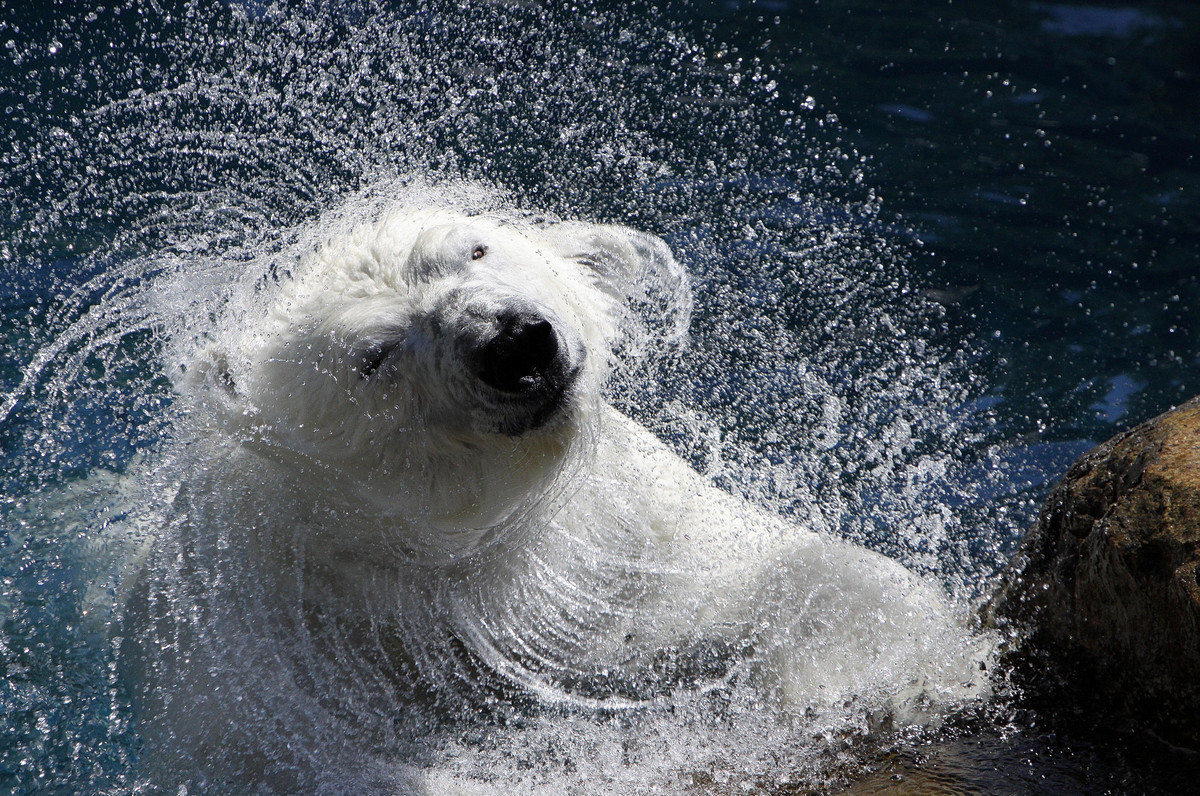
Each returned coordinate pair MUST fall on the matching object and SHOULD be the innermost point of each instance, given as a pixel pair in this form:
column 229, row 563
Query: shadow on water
column 938, row 250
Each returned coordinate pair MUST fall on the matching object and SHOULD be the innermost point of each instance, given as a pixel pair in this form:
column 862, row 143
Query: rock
column 1103, row 592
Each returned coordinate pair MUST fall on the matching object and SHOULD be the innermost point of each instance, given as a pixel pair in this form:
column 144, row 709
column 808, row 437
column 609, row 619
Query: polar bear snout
column 521, row 355
column 526, row 362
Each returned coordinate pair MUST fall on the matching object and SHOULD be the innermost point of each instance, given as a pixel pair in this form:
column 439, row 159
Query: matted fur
column 364, row 554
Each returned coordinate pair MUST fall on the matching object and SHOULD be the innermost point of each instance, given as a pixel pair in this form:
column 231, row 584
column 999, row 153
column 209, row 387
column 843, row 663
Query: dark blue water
column 940, row 250
column 1046, row 156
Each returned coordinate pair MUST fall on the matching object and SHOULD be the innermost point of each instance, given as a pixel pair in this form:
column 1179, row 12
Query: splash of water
column 153, row 181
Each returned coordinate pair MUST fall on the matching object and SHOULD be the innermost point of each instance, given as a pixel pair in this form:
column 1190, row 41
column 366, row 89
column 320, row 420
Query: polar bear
column 413, row 508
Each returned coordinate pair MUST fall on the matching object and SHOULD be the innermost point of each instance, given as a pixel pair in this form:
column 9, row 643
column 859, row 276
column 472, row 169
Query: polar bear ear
column 649, row 289
column 621, row 260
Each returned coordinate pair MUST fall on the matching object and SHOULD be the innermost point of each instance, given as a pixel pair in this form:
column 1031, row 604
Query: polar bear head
column 436, row 368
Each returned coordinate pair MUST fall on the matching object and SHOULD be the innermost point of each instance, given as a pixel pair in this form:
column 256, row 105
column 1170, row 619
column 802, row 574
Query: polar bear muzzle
column 525, row 367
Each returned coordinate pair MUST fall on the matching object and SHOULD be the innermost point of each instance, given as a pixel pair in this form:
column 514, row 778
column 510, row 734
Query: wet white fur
column 585, row 547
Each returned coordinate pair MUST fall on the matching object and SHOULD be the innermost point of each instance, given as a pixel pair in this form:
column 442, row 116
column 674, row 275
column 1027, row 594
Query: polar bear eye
column 478, row 252
column 372, row 360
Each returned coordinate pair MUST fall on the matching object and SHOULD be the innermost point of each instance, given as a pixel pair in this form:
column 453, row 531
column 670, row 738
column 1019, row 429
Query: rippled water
column 936, row 253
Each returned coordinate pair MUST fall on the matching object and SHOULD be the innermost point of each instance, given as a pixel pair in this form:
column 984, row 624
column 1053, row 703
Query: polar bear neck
column 439, row 511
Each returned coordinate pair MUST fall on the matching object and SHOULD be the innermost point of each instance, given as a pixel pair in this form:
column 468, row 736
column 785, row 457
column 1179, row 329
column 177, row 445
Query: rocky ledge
column 1103, row 596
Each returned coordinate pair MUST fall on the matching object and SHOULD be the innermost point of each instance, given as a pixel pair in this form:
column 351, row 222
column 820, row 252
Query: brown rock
column 1104, row 589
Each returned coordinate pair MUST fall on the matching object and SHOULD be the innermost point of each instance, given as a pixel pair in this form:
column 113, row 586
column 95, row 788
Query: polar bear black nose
column 521, row 354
